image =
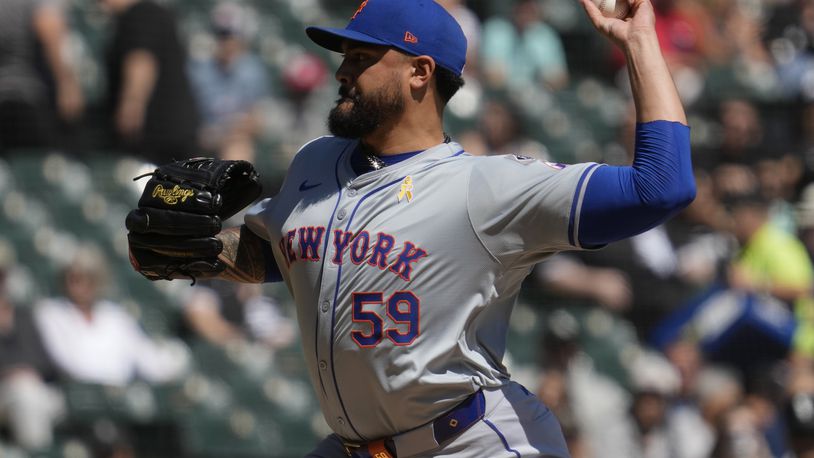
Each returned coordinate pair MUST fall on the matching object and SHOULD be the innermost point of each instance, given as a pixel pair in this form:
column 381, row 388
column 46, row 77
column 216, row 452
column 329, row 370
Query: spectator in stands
column 790, row 33
column 705, row 393
column 28, row 405
column 93, row 340
column 804, row 337
column 801, row 425
column 743, row 135
column 805, row 140
column 32, row 31
column 222, row 313
column 770, row 261
column 804, row 218
column 643, row 278
column 741, row 436
column 746, row 66
column 654, row 383
column 522, row 52
column 230, row 85
column 741, row 138
column 297, row 112
column 799, row 408
column 592, row 407
column 500, row 130
column 559, row 347
column 779, row 178
column 707, row 211
column 570, row 277
column 150, row 101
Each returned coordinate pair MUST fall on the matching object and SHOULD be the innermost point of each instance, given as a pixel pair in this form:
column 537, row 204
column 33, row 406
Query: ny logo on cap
column 361, row 7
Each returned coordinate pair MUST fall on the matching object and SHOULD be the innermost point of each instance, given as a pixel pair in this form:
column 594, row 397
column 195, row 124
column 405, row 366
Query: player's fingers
column 643, row 9
column 636, row 5
column 599, row 21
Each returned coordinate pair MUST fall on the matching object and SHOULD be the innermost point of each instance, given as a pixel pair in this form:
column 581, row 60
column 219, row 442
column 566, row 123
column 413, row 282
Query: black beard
column 367, row 112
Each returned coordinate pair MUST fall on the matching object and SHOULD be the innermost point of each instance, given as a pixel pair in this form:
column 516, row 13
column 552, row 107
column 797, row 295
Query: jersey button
column 341, row 214
column 323, row 365
column 325, row 306
column 352, row 193
column 341, row 421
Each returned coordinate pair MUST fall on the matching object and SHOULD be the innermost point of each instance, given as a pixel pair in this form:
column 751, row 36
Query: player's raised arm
column 654, row 92
column 621, row 202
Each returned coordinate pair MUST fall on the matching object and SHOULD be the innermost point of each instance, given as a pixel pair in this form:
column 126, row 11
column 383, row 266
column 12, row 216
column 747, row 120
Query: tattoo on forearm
column 243, row 255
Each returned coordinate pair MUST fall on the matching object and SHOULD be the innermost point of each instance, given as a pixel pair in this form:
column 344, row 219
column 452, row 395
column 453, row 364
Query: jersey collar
column 426, row 158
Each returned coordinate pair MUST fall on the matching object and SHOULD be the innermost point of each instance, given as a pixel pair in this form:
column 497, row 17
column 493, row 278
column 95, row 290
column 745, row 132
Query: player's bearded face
column 358, row 114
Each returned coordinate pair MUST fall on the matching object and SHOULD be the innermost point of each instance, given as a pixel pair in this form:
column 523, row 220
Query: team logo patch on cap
column 361, row 7
column 410, row 38
column 406, row 189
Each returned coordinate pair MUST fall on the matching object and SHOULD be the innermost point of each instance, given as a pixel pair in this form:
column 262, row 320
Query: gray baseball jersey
column 405, row 277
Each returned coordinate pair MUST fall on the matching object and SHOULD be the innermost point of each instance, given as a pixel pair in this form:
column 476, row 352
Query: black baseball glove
column 172, row 232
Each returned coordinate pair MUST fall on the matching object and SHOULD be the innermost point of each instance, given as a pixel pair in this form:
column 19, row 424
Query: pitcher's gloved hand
column 172, row 232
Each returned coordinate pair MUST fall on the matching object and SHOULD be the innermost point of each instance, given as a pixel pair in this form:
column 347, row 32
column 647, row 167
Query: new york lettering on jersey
column 359, row 247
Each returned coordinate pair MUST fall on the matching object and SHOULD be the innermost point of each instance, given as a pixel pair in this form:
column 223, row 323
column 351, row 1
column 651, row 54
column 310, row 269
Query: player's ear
column 422, row 69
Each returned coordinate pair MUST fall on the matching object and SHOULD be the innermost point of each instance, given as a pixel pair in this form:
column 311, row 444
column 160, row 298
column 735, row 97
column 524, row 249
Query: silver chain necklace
column 376, row 163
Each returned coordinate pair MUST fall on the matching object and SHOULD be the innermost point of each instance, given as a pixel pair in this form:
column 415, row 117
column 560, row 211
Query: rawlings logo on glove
column 172, row 232
column 172, row 196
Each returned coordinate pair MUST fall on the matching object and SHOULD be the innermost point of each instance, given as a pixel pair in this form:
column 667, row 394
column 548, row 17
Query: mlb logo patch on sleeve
column 555, row 165
column 525, row 160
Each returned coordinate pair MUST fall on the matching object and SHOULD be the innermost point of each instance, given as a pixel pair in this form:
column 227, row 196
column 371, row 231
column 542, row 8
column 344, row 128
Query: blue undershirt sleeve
column 621, row 202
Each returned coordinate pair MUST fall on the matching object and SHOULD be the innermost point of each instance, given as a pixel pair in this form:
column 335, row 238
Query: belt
column 441, row 430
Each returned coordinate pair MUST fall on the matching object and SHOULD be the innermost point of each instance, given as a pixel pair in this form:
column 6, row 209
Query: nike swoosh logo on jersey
column 305, row 186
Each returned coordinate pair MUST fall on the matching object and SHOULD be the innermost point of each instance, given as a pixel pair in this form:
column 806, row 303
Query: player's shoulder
column 325, row 144
column 313, row 157
column 511, row 161
column 321, row 148
column 510, row 170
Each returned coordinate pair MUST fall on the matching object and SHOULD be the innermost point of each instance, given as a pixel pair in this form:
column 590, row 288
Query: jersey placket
column 324, row 301
column 329, row 288
column 348, row 201
column 343, row 220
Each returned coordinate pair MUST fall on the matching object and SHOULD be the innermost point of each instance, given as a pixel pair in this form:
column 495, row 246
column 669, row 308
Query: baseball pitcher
column 403, row 253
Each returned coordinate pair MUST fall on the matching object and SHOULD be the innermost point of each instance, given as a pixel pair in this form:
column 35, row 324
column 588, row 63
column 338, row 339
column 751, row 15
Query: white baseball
column 613, row 8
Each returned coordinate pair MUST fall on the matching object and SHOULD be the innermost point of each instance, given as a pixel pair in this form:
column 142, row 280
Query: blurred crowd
column 718, row 303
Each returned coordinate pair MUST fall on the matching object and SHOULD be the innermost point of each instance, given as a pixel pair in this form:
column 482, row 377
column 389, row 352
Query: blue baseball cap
column 416, row 27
